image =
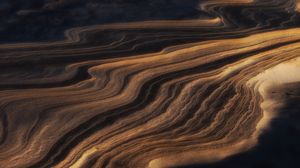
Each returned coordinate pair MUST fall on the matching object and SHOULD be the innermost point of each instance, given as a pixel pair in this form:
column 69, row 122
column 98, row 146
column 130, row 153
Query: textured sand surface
column 145, row 84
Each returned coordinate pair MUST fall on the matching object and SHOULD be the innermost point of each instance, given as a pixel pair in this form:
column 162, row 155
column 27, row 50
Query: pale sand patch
column 287, row 72
column 297, row 5
column 284, row 73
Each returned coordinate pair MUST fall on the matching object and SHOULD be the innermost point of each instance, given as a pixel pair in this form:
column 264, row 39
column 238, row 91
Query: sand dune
column 148, row 93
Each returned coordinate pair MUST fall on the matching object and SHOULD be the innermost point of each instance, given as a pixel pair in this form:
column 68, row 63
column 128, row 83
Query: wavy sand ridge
column 145, row 94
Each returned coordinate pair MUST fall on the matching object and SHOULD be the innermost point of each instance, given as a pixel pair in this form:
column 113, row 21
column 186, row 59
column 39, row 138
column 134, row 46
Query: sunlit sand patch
column 204, row 5
column 297, row 5
column 86, row 155
column 284, row 73
column 196, row 157
column 287, row 72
